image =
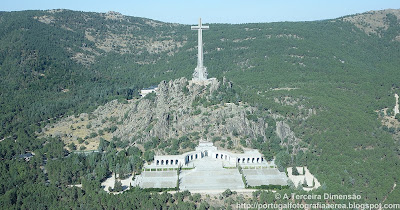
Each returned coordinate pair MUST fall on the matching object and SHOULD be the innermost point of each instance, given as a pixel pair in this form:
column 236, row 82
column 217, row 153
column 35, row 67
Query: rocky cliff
column 173, row 112
column 179, row 108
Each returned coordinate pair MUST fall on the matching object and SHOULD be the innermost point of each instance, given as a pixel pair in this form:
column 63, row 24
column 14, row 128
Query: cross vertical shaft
column 200, row 71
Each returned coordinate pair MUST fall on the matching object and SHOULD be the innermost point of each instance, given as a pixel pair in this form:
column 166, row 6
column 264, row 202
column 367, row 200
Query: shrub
column 196, row 112
column 243, row 142
column 80, row 140
column 227, row 193
column 93, row 135
column 72, row 146
column 397, row 117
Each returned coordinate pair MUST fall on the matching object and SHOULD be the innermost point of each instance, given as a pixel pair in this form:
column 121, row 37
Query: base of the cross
column 200, row 73
column 203, row 82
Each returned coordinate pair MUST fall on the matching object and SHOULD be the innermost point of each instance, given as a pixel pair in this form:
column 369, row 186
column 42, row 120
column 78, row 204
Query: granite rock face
column 174, row 111
column 178, row 108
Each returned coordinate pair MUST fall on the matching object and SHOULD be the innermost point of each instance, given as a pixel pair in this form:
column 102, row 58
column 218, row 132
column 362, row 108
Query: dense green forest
column 58, row 63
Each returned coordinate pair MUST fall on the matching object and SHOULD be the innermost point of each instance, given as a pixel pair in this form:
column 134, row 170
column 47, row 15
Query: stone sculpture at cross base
column 396, row 107
column 200, row 73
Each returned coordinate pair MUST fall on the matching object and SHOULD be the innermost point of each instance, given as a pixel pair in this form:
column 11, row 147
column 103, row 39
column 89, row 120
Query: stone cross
column 200, row 72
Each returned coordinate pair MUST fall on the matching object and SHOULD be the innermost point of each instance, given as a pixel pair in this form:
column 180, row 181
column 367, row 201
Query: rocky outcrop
column 172, row 113
column 286, row 135
column 178, row 108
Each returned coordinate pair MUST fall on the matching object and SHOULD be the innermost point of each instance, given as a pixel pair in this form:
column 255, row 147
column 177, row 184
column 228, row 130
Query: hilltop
column 174, row 119
column 375, row 22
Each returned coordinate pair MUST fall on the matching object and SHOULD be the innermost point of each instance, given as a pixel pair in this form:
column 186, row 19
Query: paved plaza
column 265, row 176
column 156, row 179
column 209, row 174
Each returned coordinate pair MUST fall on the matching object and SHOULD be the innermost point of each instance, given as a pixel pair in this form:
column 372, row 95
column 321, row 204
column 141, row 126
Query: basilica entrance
column 205, row 153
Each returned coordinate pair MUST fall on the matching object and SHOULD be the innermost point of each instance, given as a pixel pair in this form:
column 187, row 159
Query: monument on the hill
column 396, row 107
column 200, row 72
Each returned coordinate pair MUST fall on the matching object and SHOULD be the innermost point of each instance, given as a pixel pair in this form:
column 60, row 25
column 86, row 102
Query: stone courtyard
column 157, row 179
column 265, row 176
column 210, row 174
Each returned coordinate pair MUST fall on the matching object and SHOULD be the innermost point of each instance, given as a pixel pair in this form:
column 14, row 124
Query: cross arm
column 197, row 27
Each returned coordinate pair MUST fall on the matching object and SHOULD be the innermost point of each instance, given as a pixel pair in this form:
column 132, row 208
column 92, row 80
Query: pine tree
column 117, row 186
column 305, row 183
column 102, row 145
column 295, row 172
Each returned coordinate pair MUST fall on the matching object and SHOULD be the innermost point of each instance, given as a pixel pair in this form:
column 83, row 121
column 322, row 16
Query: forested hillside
column 329, row 80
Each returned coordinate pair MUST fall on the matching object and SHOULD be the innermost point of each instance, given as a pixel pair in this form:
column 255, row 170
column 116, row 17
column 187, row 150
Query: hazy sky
column 213, row 11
